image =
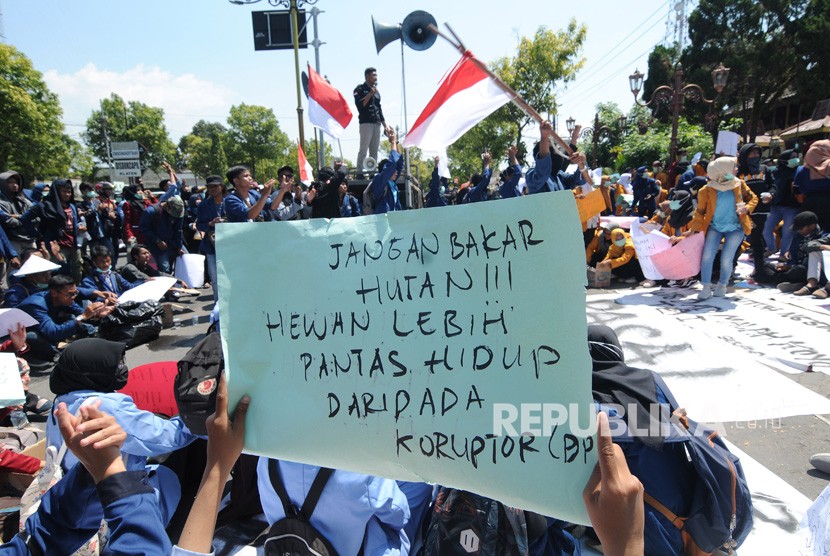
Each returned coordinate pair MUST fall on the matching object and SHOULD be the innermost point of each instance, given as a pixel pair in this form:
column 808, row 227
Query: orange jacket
column 707, row 198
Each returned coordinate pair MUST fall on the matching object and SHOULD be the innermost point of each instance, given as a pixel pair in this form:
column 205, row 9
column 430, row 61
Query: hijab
column 53, row 206
column 136, row 201
column 90, row 364
column 614, row 382
column 683, row 215
column 721, row 173
column 817, row 160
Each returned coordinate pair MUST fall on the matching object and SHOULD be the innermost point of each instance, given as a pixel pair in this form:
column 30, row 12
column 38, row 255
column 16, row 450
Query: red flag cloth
column 465, row 96
column 327, row 108
column 306, row 172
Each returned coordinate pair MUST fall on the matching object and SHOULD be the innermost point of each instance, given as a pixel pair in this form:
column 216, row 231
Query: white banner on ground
column 647, row 244
column 11, row 387
column 9, row 318
column 148, row 291
column 717, row 379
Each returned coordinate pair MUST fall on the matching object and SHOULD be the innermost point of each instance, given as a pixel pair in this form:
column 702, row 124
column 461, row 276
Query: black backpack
column 197, row 381
column 294, row 534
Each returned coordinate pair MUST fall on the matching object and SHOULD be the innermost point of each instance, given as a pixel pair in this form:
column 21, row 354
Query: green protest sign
column 444, row 345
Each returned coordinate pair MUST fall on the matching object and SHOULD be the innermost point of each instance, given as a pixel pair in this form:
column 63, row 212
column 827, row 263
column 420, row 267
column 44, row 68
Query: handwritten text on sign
column 381, row 345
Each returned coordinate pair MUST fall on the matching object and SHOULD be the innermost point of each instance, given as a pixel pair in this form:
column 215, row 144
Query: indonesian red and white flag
column 327, row 108
column 466, row 95
column 306, row 172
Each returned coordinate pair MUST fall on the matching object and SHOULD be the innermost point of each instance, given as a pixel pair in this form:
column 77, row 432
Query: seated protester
column 103, row 277
column 597, row 249
column 383, row 186
column 126, row 499
column 349, row 205
column 140, row 270
column 437, row 187
column 480, row 182
column 324, row 195
column 661, row 215
column 348, row 503
column 549, row 173
column 805, row 258
column 59, row 317
column 89, row 371
column 18, row 345
column 621, row 258
column 162, row 226
column 246, row 203
column 288, row 200
column 34, row 277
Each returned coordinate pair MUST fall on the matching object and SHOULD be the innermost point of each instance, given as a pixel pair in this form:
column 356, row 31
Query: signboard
column 272, row 30
column 124, row 149
column 444, row 345
column 127, row 168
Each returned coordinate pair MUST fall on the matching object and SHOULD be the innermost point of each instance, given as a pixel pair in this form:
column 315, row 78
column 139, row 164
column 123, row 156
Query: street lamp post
column 292, row 6
column 676, row 93
column 596, row 132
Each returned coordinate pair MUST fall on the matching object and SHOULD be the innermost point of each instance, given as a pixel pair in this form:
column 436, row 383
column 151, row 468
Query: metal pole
column 407, row 188
column 321, row 146
column 107, row 139
column 677, row 101
column 596, row 139
column 296, row 36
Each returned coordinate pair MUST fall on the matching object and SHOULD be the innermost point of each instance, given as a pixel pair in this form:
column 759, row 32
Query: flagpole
column 516, row 97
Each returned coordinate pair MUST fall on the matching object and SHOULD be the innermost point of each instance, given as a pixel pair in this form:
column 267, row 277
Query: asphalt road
column 782, row 445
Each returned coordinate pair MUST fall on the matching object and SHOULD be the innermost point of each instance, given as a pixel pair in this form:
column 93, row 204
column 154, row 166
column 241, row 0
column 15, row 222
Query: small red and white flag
column 327, row 108
column 306, row 172
column 466, row 95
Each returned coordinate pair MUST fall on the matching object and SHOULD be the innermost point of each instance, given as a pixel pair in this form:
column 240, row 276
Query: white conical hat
column 35, row 264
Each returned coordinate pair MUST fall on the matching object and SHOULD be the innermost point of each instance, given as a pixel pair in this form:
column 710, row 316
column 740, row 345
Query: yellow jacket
column 707, row 198
column 620, row 255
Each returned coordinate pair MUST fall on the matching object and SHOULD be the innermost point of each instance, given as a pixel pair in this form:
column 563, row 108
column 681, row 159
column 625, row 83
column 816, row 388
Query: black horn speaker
column 385, row 33
column 415, row 30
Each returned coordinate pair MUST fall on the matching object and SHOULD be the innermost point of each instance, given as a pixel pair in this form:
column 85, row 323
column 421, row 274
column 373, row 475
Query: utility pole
column 321, row 153
column 295, row 32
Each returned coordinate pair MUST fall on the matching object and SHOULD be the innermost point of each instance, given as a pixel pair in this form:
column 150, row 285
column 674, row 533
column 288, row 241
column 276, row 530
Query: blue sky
column 195, row 58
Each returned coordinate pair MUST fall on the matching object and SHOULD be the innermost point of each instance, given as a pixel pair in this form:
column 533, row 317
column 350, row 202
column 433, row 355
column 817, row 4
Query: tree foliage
column 757, row 40
column 610, row 136
column 813, row 52
column 81, row 161
column 32, row 140
column 129, row 121
column 254, row 138
column 641, row 149
column 202, row 150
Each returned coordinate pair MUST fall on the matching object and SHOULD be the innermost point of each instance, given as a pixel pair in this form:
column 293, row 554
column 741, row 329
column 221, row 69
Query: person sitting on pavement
column 598, row 247
column 103, row 277
column 92, row 370
column 621, row 259
column 163, row 227
column 59, row 317
column 18, row 345
column 679, row 214
column 804, row 275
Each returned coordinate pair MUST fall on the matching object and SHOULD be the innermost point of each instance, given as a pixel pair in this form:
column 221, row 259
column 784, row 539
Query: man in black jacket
column 370, row 116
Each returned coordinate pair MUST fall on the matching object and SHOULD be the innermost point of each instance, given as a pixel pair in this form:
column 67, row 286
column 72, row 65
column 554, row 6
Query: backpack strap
column 311, row 500
column 676, row 520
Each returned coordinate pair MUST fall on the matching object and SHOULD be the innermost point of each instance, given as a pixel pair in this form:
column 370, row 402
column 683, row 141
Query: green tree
column 641, row 149
column 203, row 151
column 32, row 140
column 609, row 117
column 254, row 138
column 130, row 121
column 813, row 52
column 660, row 72
column 491, row 135
column 81, row 161
column 757, row 41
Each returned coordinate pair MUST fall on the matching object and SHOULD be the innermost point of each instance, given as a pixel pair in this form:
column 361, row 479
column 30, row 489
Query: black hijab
column 683, row 215
column 136, row 201
column 52, row 205
column 90, row 364
column 614, row 382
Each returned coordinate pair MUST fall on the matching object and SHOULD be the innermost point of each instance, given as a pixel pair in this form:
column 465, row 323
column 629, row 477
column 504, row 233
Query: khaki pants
column 369, row 140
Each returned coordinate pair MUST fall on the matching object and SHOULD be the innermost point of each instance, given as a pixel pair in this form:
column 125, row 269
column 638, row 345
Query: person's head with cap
column 325, row 174
column 805, row 223
column 657, row 166
column 174, row 206
column 215, row 186
column 104, row 189
column 35, row 271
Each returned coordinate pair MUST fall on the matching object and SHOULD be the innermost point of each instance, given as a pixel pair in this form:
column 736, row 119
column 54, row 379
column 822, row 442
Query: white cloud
column 185, row 98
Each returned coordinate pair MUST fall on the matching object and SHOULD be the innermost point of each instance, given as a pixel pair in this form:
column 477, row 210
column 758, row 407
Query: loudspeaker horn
column 385, row 33
column 415, row 30
column 370, row 164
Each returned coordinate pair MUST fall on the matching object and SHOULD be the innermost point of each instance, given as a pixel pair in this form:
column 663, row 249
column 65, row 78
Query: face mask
column 104, row 270
column 656, row 169
column 728, row 177
column 619, row 242
column 674, row 205
column 90, row 195
column 754, row 165
column 41, row 286
column 442, row 189
column 793, row 162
